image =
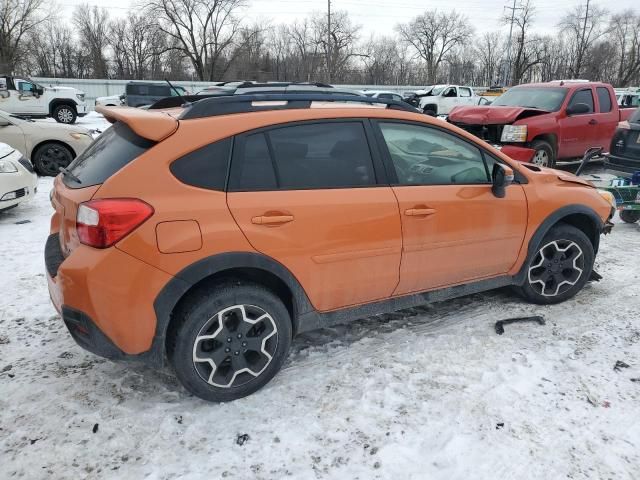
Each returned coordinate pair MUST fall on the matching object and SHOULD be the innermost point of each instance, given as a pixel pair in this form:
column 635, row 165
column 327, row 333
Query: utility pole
column 581, row 46
column 328, row 41
column 507, row 67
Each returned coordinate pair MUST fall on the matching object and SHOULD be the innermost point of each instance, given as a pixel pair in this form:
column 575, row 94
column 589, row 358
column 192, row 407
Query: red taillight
column 101, row 223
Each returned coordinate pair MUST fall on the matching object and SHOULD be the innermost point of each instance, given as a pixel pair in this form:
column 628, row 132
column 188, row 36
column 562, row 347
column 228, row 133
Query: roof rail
column 225, row 105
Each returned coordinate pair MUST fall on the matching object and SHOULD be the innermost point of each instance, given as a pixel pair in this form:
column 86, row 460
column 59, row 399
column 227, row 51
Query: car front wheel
column 560, row 267
column 65, row 114
column 544, row 155
column 229, row 341
column 49, row 157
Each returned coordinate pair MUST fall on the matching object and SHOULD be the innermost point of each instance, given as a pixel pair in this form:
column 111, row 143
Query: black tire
column 630, row 216
column 544, row 274
column 65, row 113
column 49, row 157
column 199, row 319
column 430, row 110
column 544, row 155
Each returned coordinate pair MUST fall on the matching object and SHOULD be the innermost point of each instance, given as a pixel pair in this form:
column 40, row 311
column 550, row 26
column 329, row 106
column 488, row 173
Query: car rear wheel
column 49, row 157
column 65, row 114
column 543, row 156
column 560, row 267
column 229, row 341
column 630, row 216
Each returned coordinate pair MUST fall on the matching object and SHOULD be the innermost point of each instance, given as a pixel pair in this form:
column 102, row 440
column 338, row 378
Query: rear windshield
column 115, row 148
column 544, row 98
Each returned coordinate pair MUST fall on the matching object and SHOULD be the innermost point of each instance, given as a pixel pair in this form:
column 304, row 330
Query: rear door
column 607, row 116
column 454, row 229
column 311, row 195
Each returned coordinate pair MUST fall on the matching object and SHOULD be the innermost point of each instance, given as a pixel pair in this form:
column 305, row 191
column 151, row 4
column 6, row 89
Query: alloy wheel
column 65, row 115
column 557, row 267
column 235, row 346
column 541, row 158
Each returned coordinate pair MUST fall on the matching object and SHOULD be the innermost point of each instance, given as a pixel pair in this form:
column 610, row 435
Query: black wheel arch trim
column 56, row 102
column 183, row 281
column 553, row 219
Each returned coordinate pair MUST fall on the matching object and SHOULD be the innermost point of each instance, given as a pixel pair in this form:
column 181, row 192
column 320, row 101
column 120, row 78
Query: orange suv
column 208, row 235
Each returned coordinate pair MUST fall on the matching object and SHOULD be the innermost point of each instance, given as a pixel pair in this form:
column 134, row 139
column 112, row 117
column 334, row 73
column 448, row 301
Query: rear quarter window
column 205, row 167
column 604, row 99
column 114, row 149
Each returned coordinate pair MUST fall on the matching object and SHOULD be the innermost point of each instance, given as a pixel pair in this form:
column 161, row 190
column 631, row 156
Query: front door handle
column 593, row 121
column 272, row 219
column 419, row 212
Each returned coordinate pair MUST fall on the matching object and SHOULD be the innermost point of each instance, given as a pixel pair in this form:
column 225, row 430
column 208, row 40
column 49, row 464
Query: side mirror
column 578, row 109
column 39, row 91
column 501, row 177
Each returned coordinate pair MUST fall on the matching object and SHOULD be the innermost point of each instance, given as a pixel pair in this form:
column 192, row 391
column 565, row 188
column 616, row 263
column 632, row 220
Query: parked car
column 440, row 99
column 26, row 97
column 138, row 94
column 546, row 122
column 110, row 101
column 628, row 99
column 18, row 181
column 385, row 94
column 49, row 146
column 624, row 153
column 316, row 216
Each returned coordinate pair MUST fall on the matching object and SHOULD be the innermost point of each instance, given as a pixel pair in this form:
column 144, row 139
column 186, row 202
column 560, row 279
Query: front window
column 543, row 98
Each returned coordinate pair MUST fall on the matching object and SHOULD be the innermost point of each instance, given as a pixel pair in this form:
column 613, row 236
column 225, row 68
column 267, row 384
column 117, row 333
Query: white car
column 110, row 101
column 26, row 97
column 440, row 99
column 18, row 181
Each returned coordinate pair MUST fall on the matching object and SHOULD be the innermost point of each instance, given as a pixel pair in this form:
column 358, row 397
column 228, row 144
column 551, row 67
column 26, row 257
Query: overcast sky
column 381, row 16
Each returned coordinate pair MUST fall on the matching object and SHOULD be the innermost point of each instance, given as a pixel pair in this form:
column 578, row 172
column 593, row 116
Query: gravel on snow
column 428, row 393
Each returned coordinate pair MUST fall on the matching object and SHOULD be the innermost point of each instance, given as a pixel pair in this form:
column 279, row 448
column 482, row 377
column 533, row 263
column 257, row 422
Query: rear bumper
column 622, row 164
column 106, row 298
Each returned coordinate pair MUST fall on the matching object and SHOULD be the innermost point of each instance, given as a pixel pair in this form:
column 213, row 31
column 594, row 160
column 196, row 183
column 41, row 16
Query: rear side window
column 252, row 165
column 465, row 92
column 330, row 155
column 604, row 99
column 114, row 149
column 583, row 96
column 317, row 155
column 205, row 167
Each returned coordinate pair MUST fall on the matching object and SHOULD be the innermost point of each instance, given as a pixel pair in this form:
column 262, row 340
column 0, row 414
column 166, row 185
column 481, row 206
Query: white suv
column 27, row 98
column 18, row 181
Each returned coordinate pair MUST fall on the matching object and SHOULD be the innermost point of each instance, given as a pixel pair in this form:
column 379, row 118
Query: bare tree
column 625, row 33
column 526, row 54
column 138, row 44
column 433, row 35
column 203, row 30
column 583, row 26
column 380, row 61
column 341, row 49
column 18, row 20
column 489, row 52
column 92, row 24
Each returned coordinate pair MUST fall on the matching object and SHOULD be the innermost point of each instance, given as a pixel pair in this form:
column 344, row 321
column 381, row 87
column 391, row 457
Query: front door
column 448, row 100
column 307, row 196
column 579, row 132
column 26, row 99
column 454, row 229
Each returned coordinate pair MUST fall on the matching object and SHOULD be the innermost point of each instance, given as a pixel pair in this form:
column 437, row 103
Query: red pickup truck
column 546, row 122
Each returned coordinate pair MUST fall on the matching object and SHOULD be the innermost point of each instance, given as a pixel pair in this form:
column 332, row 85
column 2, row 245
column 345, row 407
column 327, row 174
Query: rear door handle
column 593, row 122
column 272, row 219
column 419, row 212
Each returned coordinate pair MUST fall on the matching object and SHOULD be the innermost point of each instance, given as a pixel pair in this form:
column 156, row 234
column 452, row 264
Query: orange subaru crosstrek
column 208, row 235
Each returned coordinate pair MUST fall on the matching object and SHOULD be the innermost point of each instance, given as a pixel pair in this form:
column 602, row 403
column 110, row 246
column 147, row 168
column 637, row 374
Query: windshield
column 543, row 98
column 435, row 91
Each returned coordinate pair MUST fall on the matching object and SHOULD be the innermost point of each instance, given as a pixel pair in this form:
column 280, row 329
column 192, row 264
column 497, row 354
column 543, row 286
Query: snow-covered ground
column 430, row 393
column 92, row 120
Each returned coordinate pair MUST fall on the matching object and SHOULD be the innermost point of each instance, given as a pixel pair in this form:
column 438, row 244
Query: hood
column 553, row 174
column 62, row 128
column 58, row 88
column 5, row 150
column 491, row 115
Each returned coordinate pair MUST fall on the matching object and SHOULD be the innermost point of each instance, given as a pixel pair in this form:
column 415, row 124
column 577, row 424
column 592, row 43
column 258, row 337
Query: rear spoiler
column 154, row 126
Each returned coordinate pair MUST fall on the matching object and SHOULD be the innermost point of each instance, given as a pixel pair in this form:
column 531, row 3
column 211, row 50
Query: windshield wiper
column 67, row 173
